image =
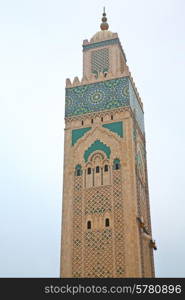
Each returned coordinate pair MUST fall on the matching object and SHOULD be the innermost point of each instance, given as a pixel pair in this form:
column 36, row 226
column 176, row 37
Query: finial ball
column 104, row 25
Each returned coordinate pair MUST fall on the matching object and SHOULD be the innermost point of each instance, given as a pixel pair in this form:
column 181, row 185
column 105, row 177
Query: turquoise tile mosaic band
column 100, row 96
column 97, row 96
column 139, row 115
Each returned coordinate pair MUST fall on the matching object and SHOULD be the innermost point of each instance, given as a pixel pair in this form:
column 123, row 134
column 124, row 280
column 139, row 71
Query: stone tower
column 106, row 227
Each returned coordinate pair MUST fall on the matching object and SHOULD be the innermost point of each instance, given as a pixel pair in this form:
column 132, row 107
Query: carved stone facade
column 106, row 226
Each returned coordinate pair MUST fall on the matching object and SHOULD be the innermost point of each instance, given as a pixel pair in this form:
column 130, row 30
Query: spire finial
column 104, row 25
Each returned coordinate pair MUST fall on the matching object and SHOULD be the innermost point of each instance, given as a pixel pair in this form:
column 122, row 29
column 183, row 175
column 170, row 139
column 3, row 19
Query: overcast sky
column 40, row 46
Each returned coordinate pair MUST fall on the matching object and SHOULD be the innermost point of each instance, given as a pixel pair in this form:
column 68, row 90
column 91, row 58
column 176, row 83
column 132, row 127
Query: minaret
column 106, row 226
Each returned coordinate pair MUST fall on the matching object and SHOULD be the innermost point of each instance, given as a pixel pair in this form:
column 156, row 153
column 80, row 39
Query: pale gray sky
column 40, row 46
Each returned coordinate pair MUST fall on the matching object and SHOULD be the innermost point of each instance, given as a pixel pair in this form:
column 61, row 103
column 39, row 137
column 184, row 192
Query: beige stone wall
column 67, row 208
column 132, row 250
column 143, row 206
column 132, row 253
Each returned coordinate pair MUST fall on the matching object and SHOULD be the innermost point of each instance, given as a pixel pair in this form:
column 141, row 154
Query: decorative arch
column 97, row 145
column 96, row 155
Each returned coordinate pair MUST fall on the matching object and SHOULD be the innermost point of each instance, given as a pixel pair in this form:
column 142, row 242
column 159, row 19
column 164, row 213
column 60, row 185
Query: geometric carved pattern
column 98, row 200
column 98, row 254
column 100, row 61
column 104, row 43
column 97, row 244
column 118, row 225
column 77, row 228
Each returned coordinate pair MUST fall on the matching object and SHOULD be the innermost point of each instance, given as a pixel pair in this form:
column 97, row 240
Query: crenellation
column 68, row 83
column 76, row 81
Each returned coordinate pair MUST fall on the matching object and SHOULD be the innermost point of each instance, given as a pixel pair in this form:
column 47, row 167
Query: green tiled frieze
column 101, row 96
column 78, row 133
column 98, row 96
column 116, row 127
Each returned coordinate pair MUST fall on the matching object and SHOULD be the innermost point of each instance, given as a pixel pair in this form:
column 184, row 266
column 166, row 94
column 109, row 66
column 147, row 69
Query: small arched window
column 111, row 117
column 92, row 121
column 102, row 119
column 107, row 223
column 78, row 170
column 88, row 224
column 89, row 171
column 116, row 164
column 82, row 123
column 106, row 168
column 97, row 169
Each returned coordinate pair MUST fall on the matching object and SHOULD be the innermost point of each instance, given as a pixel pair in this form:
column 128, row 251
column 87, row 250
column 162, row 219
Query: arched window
column 107, row 223
column 78, row 170
column 106, row 168
column 88, row 224
column 97, row 169
column 102, row 119
column 111, row 117
column 82, row 123
column 89, row 171
column 92, row 121
column 116, row 164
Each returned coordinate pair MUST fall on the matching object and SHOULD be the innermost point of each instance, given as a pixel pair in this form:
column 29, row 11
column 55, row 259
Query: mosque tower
column 106, row 226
